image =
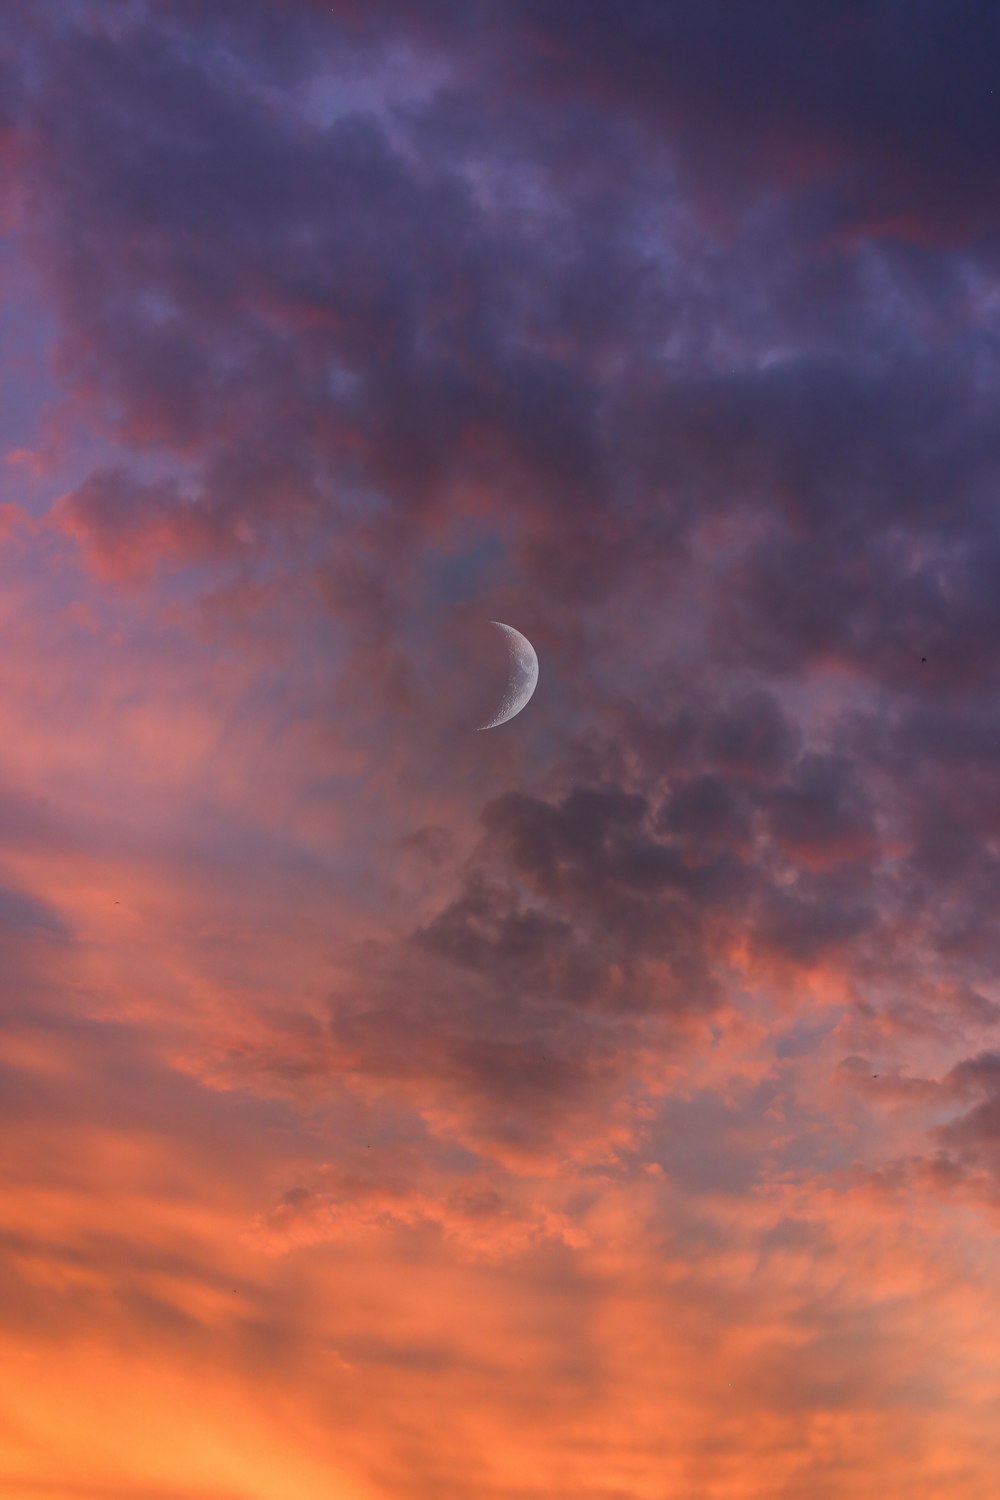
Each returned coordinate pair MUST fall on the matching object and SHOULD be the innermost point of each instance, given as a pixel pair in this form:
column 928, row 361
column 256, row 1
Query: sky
column 605, row 1106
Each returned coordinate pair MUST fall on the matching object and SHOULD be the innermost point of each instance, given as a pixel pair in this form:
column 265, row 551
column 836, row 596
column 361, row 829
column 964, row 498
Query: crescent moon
column 522, row 679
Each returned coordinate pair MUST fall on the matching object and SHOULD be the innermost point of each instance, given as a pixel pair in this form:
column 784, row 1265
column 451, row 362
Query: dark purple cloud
column 443, row 303
column 673, row 326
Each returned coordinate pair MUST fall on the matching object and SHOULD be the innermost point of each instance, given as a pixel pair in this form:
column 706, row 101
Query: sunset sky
column 605, row 1106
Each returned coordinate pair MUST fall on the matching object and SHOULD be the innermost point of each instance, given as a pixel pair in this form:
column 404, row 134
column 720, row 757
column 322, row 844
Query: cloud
column 412, row 1100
